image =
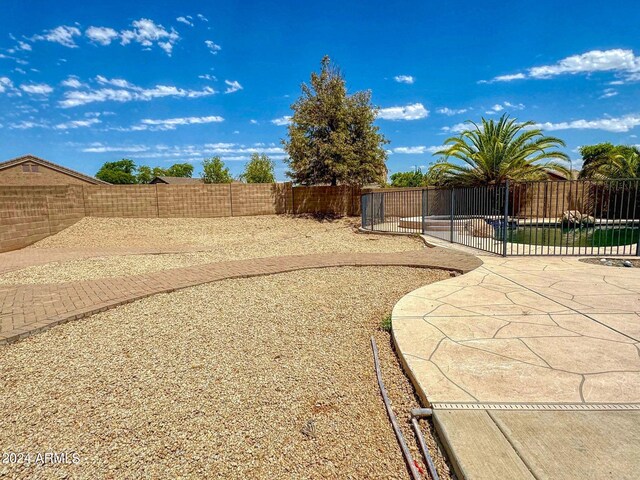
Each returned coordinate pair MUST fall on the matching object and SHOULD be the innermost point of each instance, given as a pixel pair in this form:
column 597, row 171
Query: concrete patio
column 532, row 367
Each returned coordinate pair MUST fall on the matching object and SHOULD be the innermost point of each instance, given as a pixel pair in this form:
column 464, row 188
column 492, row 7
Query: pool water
column 579, row 237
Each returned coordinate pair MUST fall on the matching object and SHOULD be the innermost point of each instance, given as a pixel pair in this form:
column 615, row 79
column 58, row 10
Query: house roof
column 176, row 180
column 52, row 166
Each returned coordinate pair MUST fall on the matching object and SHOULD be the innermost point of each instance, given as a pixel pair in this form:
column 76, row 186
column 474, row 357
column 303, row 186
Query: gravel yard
column 267, row 377
column 231, row 238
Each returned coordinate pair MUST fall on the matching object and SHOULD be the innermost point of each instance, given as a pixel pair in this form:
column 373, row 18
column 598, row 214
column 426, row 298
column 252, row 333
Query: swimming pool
column 556, row 235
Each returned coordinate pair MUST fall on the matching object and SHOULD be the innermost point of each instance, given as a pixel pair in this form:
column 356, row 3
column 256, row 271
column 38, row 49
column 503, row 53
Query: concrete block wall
column 31, row 213
column 121, row 201
column 184, row 201
column 340, row 200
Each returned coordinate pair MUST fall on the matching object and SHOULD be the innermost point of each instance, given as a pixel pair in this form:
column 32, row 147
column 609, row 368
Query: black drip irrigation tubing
column 416, row 413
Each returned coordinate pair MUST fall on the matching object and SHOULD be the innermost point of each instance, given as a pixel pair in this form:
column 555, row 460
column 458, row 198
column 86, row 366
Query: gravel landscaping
column 232, row 238
column 268, row 377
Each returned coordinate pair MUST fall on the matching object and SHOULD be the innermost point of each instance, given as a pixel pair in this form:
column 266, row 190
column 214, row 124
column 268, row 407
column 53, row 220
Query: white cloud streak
column 233, row 86
column 612, row 124
column 37, row 88
column 451, row 111
column 63, row 35
column 285, row 120
column 415, row 111
column 127, row 92
column 408, row 79
column 623, row 62
column 101, row 35
column 213, row 47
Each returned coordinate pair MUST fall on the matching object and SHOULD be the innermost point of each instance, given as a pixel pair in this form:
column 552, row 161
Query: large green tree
column 180, row 170
column 120, row 172
column 495, row 151
column 260, row 169
column 214, row 171
column 332, row 136
column 414, row 178
column 605, row 160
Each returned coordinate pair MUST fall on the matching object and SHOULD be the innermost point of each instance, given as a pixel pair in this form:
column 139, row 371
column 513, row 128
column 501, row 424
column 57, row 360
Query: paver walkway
column 26, row 309
column 532, row 366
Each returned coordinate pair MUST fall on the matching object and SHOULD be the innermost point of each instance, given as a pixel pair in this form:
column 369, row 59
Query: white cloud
column 213, row 48
column 608, row 93
column 202, row 17
column 621, row 61
column 458, row 128
column 24, row 125
column 98, row 147
column 62, row 35
column 207, row 76
column 451, row 111
column 24, row 46
column 612, row 124
column 414, row 111
column 408, row 79
column 37, row 88
column 186, row 20
column 233, row 86
column 101, row 35
column 253, row 122
column 172, row 123
column 72, row 82
column 5, row 84
column 418, row 149
column 147, row 33
column 127, row 92
column 77, row 124
column 227, row 151
column 509, row 78
column 285, row 120
column 498, row 107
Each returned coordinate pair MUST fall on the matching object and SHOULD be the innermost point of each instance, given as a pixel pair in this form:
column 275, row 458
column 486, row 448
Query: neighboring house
column 31, row 170
column 177, row 180
column 557, row 176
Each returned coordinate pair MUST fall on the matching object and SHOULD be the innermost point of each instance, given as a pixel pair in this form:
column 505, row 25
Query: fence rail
column 577, row 217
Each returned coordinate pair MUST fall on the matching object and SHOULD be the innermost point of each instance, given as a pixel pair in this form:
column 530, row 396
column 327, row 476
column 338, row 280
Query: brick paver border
column 28, row 309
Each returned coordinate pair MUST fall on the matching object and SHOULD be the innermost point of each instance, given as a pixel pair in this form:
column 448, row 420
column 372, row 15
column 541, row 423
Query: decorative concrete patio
column 532, row 366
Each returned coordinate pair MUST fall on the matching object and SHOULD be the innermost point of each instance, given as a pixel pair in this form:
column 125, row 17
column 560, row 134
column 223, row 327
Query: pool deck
column 532, row 367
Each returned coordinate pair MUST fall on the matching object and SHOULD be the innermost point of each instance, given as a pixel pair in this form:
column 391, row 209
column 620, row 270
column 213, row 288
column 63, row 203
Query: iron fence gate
column 577, row 217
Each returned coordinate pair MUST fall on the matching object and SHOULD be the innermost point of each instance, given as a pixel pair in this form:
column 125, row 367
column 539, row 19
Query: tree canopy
column 605, row 160
column 260, row 169
column 214, row 171
column 332, row 138
column 495, row 151
column 414, row 178
column 120, row 172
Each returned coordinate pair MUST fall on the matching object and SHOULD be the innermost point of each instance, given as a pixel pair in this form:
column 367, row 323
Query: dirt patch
column 268, row 377
column 613, row 262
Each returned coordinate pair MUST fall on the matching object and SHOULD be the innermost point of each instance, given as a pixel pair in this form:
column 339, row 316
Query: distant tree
column 495, row 151
column 120, row 172
column 180, row 170
column 214, row 171
column 605, row 160
column 409, row 179
column 332, row 138
column 260, row 169
column 146, row 174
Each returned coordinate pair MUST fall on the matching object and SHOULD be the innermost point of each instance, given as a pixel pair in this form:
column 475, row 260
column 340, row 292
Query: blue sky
column 164, row 82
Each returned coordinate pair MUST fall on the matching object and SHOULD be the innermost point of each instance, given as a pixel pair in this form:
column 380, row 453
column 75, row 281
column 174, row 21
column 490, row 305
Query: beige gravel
column 232, row 238
column 218, row 381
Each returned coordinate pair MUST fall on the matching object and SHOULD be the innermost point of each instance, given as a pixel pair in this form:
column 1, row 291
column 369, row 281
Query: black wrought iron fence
column 577, row 217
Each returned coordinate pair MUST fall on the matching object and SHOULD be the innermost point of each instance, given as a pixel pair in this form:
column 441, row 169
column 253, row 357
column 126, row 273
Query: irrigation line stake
column 392, row 416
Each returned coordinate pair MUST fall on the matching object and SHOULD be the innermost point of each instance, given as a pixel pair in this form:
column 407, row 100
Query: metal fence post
column 363, row 210
column 424, row 210
column 451, row 220
column 372, row 207
column 506, row 218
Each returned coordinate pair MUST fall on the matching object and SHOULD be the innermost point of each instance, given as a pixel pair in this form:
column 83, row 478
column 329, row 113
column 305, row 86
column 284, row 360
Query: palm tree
column 497, row 151
column 626, row 165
